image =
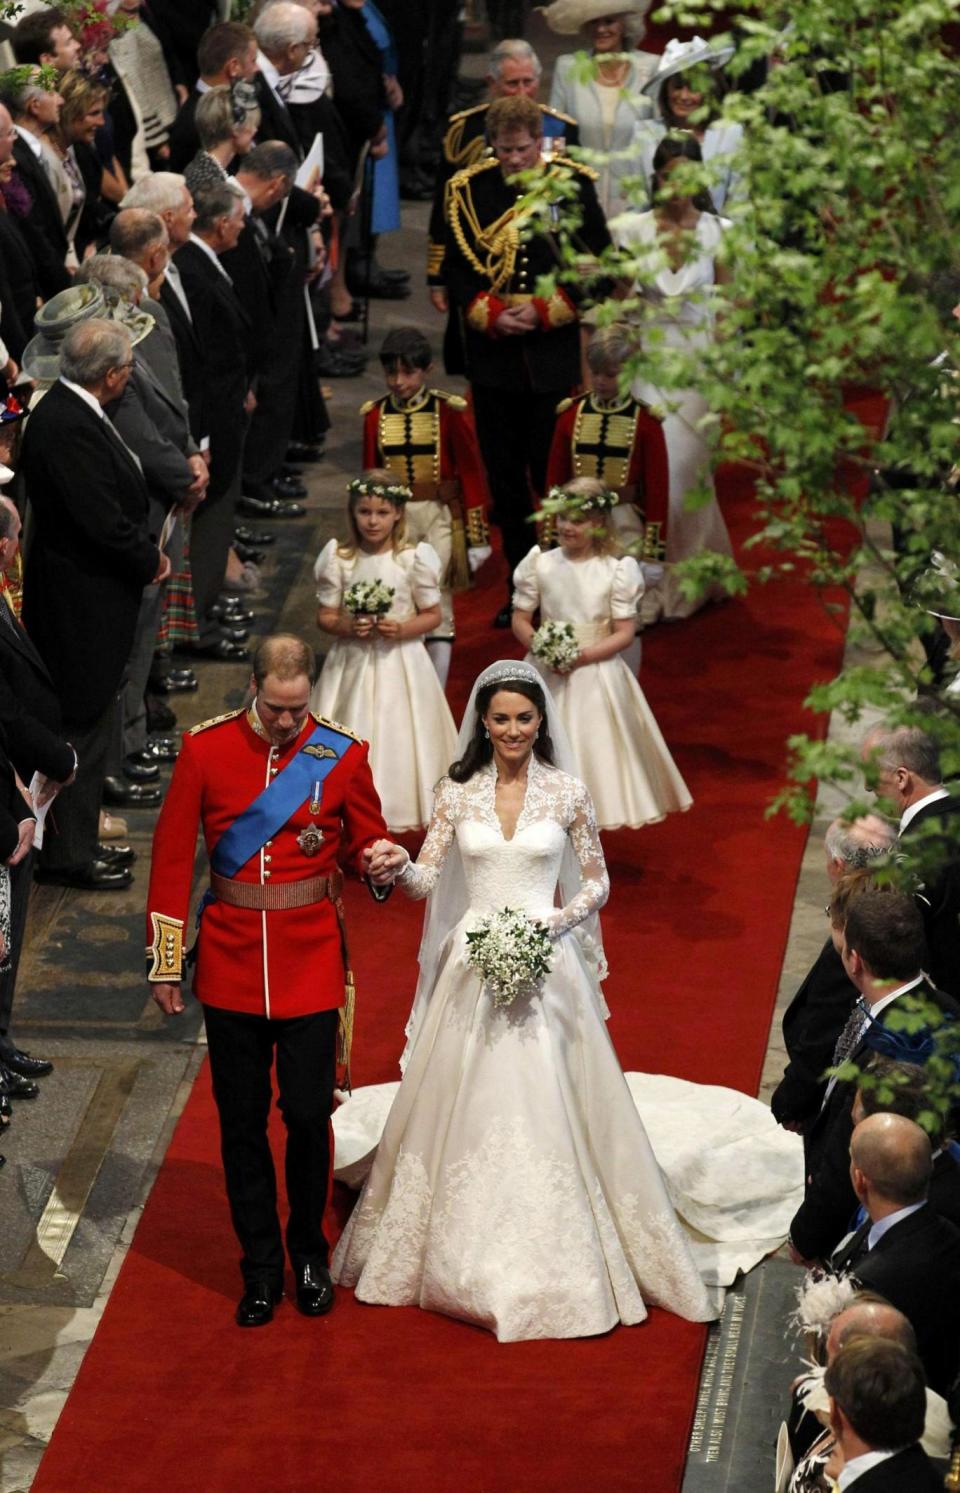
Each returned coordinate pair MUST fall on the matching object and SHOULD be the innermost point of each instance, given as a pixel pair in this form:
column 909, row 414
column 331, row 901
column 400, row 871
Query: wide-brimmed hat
column 567, row 17
column 680, row 56
column 41, row 356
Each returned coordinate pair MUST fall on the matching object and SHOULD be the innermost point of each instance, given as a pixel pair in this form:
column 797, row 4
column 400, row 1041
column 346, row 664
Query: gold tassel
column 458, row 571
column 478, row 530
column 345, row 1029
column 952, row 1480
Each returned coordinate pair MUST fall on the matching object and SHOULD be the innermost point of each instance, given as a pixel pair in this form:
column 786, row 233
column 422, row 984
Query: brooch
column 310, row 839
column 315, row 800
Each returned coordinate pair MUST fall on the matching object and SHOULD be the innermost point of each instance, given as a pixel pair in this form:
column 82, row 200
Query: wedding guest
column 36, row 116
column 226, row 55
column 675, row 88
column 877, row 1410
column 226, row 125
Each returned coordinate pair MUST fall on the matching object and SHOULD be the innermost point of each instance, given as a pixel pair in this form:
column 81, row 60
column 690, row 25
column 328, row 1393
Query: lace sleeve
column 594, row 881
column 418, row 878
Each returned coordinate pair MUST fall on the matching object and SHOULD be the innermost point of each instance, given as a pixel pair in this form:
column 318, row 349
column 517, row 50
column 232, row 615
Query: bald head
column 870, row 1319
column 892, row 1156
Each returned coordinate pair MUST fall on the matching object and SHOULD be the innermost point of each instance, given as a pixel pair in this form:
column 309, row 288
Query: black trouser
column 514, row 432
column 70, row 840
column 21, row 879
column 241, row 1054
column 211, row 535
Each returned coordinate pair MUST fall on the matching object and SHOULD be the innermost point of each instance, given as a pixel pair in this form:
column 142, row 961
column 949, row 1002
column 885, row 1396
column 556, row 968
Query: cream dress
column 682, row 311
column 389, row 692
column 621, row 754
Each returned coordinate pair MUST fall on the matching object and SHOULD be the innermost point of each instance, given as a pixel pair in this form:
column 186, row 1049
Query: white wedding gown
column 514, row 1185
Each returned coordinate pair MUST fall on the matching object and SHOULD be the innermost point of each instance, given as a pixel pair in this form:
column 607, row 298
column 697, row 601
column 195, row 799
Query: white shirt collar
column 885, row 1000
column 269, row 72
column 857, row 1466
column 201, row 86
column 878, row 1229
column 30, row 139
column 83, row 394
column 172, row 273
column 921, row 803
column 210, row 254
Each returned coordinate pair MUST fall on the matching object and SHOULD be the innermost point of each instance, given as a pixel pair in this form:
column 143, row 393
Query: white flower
column 511, row 953
column 555, row 644
column 369, row 598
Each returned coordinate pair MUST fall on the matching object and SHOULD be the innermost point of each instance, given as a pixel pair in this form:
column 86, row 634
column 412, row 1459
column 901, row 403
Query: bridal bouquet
column 555, row 644
column 368, row 598
column 511, row 953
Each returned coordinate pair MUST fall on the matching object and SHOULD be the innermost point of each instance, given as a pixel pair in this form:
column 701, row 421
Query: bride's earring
column 486, row 733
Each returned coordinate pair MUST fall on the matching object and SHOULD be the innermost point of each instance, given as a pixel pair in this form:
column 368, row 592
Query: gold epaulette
column 556, row 114
column 578, row 166
column 455, row 401
column 462, row 177
column 370, row 404
column 565, row 404
column 216, row 720
column 323, row 720
column 465, row 113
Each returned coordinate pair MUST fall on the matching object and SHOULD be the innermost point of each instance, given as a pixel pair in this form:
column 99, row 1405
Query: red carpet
column 171, row 1396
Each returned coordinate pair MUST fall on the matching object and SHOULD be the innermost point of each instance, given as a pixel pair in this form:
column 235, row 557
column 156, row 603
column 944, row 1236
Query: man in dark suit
column 877, row 1410
column 30, row 722
column 902, row 764
column 91, row 554
column 884, row 955
column 818, row 1012
column 223, row 330
column 904, row 1250
column 35, row 111
column 227, row 54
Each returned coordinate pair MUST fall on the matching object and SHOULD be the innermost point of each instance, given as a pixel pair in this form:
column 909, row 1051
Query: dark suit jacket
column 189, row 357
column 940, row 895
column 357, row 70
column 18, row 286
column 812, row 1023
column 829, row 1200
column 13, row 807
column 223, row 330
column 29, row 708
column 91, row 552
column 916, row 1267
column 184, row 141
column 155, row 429
column 910, row 1471
column 43, row 226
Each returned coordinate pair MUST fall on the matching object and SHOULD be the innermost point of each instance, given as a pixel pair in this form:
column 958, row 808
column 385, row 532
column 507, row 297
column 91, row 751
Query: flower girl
column 587, row 599
column 379, row 597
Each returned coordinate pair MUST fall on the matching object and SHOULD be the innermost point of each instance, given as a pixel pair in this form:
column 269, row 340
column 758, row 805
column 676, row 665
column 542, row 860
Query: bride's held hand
column 383, row 861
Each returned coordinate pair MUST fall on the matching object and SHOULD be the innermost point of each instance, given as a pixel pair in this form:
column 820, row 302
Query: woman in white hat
column 677, row 90
column 607, row 104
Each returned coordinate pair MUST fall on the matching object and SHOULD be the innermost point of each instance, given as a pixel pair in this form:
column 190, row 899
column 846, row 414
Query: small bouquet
column 511, row 953
column 368, row 598
column 555, row 644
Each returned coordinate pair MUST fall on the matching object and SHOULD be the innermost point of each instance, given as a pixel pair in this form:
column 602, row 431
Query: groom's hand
column 383, row 861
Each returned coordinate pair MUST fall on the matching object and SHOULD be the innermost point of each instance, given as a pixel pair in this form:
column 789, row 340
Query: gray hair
column 91, row 349
column 857, row 842
column 516, row 50
column 213, row 202
column 906, row 746
column 270, row 159
column 158, row 192
column 281, row 26
column 216, row 116
column 135, row 230
column 18, row 91
column 113, row 272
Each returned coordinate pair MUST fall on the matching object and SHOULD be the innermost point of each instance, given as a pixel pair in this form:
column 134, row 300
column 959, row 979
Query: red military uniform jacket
column 622, row 445
column 431, row 440
column 277, row 963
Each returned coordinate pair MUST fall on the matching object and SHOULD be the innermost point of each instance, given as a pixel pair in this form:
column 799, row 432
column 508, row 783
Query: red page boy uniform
column 270, row 969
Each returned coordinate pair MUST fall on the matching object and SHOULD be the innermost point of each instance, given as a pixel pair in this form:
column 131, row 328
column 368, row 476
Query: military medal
column 310, row 839
column 315, row 800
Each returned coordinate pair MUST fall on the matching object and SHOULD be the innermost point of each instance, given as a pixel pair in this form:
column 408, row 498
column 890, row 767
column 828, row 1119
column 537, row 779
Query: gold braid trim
column 166, row 949
column 499, row 241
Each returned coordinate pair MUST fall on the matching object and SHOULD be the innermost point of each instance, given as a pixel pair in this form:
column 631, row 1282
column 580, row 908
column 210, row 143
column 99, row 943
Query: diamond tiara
column 507, row 669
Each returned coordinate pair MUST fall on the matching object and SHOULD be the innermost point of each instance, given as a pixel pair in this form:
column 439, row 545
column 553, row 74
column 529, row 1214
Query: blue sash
column 281, row 798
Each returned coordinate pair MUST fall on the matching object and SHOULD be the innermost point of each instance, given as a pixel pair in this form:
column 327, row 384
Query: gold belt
column 278, row 895
column 447, row 490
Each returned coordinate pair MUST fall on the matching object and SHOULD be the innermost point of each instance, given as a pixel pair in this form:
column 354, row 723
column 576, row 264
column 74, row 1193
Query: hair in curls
column 480, row 751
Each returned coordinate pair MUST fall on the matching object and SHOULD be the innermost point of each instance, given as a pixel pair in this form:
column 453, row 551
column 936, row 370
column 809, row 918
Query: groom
column 274, row 788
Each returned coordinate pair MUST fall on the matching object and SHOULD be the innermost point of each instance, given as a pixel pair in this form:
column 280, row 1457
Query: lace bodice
column 521, row 872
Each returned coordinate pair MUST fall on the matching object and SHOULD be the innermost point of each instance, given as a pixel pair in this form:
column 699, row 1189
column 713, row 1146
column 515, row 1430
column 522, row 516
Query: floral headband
column 558, row 501
column 363, row 487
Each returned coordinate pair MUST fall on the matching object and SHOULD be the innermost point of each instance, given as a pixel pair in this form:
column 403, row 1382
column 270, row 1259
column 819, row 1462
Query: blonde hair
column 604, row 537
column 399, row 535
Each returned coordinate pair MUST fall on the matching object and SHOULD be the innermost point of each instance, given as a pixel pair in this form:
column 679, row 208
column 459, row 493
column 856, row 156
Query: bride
column 514, row 1185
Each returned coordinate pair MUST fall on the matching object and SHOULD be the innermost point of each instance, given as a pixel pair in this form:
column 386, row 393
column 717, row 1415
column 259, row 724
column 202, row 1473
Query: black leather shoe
column 95, row 876
column 255, row 537
column 256, row 1305
column 174, row 683
column 231, row 616
column 248, row 556
column 234, row 634
column 223, row 651
column 118, row 794
column 287, row 469
column 159, row 716
column 120, row 855
column 269, row 508
column 301, row 451
column 503, row 617
column 288, row 487
column 333, row 364
column 6, row 1110
column 19, row 1061
column 138, row 771
column 314, row 1290
column 15, row 1086
column 163, row 748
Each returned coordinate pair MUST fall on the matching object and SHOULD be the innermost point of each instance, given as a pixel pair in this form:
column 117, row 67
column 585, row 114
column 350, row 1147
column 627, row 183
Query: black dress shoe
column 223, row 651
column 288, row 487
column 504, row 617
column 247, row 535
column 248, row 556
column 256, row 1305
column 163, row 748
column 120, row 855
column 6, row 1110
column 287, row 469
column 118, row 794
column 139, row 771
column 159, row 716
column 234, row 634
column 19, row 1061
column 15, row 1086
column 333, row 364
column 300, row 451
column 168, row 684
column 95, row 876
column 231, row 616
column 314, row 1290
column 269, row 508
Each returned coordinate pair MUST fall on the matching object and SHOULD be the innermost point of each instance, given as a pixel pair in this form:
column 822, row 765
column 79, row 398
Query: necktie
column 848, row 1038
column 6, row 613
